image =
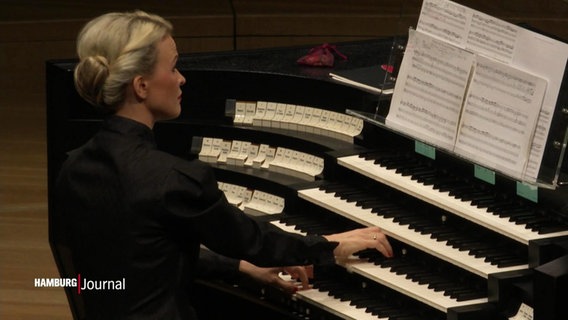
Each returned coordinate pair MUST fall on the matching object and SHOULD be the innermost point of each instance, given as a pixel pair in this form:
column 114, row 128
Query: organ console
column 464, row 248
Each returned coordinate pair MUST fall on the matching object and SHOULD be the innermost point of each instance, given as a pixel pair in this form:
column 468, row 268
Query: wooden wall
column 32, row 31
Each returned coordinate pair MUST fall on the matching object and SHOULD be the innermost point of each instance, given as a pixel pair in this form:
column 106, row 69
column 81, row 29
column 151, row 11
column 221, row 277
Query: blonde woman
column 138, row 214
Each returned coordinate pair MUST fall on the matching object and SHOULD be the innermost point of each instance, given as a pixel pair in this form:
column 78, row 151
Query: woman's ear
column 140, row 87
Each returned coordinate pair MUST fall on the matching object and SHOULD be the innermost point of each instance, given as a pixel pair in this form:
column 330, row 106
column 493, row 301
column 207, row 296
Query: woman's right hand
column 360, row 239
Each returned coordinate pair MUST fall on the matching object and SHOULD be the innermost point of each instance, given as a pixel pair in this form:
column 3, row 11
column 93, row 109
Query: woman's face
column 164, row 93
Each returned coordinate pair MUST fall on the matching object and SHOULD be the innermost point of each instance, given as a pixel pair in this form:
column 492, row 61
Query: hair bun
column 90, row 76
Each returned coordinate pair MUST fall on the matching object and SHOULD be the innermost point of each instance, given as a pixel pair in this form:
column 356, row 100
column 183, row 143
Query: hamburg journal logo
column 81, row 283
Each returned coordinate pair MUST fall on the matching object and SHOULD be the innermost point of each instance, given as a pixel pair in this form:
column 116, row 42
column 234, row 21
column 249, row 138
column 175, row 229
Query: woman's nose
column 182, row 79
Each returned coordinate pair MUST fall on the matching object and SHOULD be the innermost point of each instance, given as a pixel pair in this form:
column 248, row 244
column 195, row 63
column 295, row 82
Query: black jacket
column 133, row 212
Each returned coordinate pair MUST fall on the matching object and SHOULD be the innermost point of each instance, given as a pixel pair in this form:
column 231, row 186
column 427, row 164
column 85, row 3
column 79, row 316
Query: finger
column 385, row 248
column 300, row 274
column 310, row 271
column 373, row 232
column 382, row 244
column 388, row 248
column 286, row 286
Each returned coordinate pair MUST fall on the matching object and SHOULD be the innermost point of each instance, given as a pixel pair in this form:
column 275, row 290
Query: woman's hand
column 271, row 276
column 359, row 239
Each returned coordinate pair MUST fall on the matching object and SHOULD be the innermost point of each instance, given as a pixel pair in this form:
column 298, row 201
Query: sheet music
column 492, row 37
column 499, row 116
column 446, row 20
column 430, row 89
column 469, row 29
column 518, row 47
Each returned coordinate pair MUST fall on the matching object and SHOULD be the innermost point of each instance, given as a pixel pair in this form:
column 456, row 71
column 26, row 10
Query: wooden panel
column 548, row 16
column 29, row 20
column 32, row 32
column 22, row 74
column 258, row 20
column 30, row 10
column 24, row 248
column 319, row 18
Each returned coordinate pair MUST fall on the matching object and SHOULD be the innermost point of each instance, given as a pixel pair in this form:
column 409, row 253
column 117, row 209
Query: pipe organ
column 284, row 149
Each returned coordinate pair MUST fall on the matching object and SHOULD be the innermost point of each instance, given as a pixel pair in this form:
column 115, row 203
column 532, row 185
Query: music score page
column 430, row 90
column 515, row 57
column 499, row 116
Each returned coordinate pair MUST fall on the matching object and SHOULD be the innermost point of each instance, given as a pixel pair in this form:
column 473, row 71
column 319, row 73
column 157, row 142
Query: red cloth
column 321, row 56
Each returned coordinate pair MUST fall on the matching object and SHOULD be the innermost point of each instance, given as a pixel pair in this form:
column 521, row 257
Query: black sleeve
column 213, row 265
column 191, row 197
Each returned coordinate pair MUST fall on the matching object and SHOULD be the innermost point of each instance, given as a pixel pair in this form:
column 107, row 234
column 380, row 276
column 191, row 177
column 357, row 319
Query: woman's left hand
column 300, row 276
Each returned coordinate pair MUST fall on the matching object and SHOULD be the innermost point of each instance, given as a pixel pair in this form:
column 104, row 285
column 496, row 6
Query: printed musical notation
column 430, row 89
column 507, row 83
column 444, row 19
column 468, row 29
column 499, row 116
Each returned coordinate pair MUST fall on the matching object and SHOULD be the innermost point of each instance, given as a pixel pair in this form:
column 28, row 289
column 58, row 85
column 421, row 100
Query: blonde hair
column 113, row 49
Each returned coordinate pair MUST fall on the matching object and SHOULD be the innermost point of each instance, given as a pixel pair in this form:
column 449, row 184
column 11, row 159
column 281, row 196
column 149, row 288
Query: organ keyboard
column 408, row 277
column 451, row 248
column 443, row 248
column 352, row 299
column 452, row 193
column 343, row 309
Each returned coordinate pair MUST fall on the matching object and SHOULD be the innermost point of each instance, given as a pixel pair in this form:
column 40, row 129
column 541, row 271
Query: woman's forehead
column 167, row 48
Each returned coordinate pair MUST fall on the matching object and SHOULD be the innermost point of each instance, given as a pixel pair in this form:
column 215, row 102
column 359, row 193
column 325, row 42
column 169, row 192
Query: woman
column 138, row 214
